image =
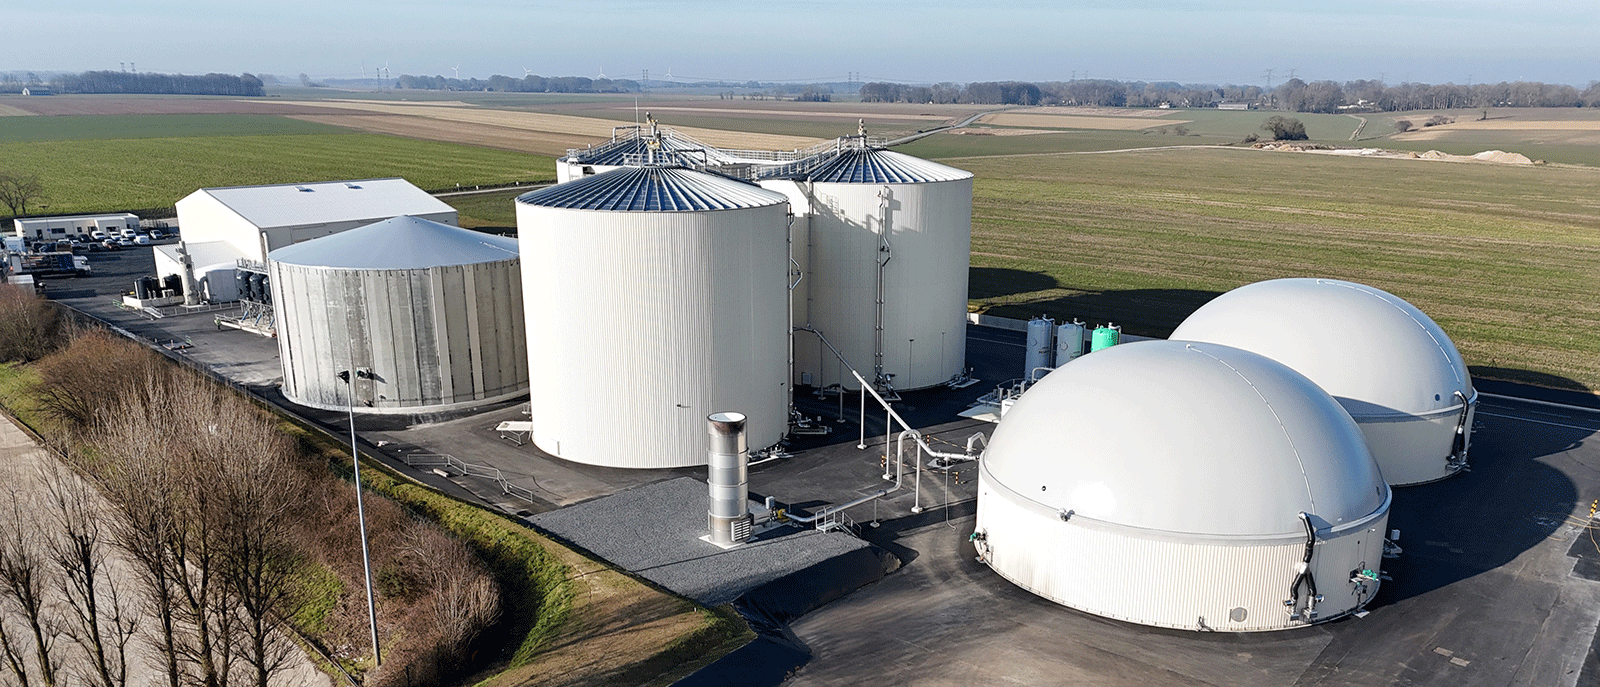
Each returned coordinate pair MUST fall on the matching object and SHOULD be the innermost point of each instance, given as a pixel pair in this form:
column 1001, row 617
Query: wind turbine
column 527, row 72
column 457, row 70
column 602, row 73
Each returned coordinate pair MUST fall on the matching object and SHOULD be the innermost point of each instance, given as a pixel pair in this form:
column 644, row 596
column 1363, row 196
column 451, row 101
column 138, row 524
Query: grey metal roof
column 618, row 153
column 653, row 189
column 877, row 166
column 400, row 243
column 287, row 205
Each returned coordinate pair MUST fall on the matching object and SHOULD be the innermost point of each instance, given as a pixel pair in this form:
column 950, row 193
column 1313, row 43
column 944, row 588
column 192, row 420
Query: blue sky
column 1191, row 41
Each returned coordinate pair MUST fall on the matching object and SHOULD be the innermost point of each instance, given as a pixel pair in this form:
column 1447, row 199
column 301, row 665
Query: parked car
column 98, row 235
column 156, row 235
column 111, row 244
column 142, row 239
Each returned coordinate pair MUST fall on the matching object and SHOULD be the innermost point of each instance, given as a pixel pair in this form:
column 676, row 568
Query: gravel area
column 654, row 531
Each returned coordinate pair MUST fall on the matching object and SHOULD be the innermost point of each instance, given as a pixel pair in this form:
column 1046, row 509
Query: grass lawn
column 1505, row 258
column 119, row 174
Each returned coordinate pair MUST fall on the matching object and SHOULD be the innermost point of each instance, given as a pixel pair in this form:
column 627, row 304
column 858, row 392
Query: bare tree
column 24, row 578
column 97, row 618
column 15, row 652
column 257, row 488
column 29, row 325
column 18, row 190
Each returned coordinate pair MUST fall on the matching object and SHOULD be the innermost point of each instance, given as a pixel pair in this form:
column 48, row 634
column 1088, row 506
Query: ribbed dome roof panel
column 653, row 189
column 619, row 152
column 875, row 166
column 399, row 243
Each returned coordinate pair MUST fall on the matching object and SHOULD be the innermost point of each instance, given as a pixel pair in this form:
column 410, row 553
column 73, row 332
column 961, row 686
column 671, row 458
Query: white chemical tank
column 1069, row 342
column 1041, row 346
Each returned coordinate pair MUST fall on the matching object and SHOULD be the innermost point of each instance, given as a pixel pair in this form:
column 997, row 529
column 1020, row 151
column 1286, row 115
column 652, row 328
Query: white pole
column 361, row 516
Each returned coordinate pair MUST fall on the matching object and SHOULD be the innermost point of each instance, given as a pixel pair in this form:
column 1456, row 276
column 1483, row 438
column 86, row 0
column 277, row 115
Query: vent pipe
column 729, row 515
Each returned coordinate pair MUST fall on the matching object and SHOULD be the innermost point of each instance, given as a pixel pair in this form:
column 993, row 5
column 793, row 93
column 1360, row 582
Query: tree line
column 156, row 83
column 1295, row 95
column 232, row 535
column 531, row 83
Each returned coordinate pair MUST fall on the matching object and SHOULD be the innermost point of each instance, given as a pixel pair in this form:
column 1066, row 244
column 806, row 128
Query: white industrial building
column 657, row 296
column 1184, row 485
column 1391, row 366
column 62, row 227
column 883, row 241
column 256, row 220
column 429, row 314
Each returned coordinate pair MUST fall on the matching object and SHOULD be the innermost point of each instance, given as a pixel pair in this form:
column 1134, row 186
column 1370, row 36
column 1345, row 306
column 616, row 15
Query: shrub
column 1403, row 125
column 1284, row 128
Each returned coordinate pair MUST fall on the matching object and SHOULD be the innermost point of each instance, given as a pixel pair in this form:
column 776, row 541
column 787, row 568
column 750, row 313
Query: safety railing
column 450, row 462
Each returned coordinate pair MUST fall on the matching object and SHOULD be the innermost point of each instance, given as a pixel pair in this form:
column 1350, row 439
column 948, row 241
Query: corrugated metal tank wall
column 925, row 281
column 645, row 322
column 433, row 338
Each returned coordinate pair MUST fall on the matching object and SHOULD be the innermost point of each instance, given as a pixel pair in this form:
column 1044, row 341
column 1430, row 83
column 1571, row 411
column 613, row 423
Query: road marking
column 1536, row 402
column 1542, row 422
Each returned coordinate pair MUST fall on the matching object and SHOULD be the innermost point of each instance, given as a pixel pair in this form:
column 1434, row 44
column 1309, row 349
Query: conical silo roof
column 399, row 243
column 653, row 189
column 877, row 166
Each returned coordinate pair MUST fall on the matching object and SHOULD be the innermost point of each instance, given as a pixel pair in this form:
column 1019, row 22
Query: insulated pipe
column 729, row 480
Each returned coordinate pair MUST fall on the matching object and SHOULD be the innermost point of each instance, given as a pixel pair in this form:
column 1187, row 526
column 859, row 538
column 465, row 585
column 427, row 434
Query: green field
column 1505, row 258
column 102, row 127
column 491, row 212
column 117, row 174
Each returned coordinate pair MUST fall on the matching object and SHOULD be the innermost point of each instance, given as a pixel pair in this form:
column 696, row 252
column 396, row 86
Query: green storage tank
column 1105, row 337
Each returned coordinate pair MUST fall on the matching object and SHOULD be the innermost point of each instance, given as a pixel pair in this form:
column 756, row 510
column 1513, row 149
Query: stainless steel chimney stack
column 729, row 515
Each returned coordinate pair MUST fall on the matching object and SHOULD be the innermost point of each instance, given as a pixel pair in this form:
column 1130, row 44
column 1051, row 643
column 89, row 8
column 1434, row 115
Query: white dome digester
column 1391, row 366
column 1184, row 485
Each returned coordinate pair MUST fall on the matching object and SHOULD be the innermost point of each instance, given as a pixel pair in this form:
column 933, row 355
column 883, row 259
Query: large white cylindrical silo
column 431, row 314
column 685, row 274
column 889, row 243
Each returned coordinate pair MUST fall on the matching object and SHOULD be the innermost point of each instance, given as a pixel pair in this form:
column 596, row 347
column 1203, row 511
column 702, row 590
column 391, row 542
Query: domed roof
column 1376, row 353
column 875, row 166
column 1189, row 438
column 653, row 189
column 399, row 243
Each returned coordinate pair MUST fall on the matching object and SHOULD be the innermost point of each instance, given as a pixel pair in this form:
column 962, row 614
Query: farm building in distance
column 61, row 227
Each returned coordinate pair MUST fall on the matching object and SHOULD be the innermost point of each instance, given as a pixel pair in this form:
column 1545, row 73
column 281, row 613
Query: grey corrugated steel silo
column 432, row 314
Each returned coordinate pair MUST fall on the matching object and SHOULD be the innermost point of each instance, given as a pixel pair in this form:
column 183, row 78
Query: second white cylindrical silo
column 889, row 240
column 656, row 296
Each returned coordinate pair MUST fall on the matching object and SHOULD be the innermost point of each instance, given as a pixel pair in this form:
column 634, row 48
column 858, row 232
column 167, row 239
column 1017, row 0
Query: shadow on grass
column 995, row 282
column 1529, row 377
column 1146, row 312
